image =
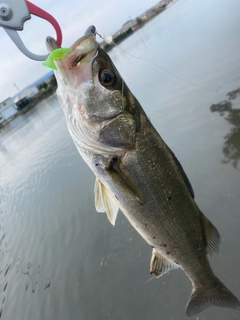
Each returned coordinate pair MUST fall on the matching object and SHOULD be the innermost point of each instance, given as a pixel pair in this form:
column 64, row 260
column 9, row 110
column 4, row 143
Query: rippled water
column 59, row 258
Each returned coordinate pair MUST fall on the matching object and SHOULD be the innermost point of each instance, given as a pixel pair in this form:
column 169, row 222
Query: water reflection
column 14, row 272
column 231, row 148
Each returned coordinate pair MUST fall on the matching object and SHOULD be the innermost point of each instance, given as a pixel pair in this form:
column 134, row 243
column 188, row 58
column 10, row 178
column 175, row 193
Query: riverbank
column 133, row 25
column 42, row 95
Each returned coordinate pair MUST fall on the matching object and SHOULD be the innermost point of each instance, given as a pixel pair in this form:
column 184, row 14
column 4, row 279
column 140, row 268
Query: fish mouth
column 75, row 66
column 82, row 51
column 80, row 54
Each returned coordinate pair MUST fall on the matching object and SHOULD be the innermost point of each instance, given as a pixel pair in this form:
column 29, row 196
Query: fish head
column 89, row 79
column 91, row 91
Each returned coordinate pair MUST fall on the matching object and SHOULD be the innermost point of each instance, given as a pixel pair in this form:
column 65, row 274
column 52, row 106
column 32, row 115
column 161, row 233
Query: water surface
column 59, row 258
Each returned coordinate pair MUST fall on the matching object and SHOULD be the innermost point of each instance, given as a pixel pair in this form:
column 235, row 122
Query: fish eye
column 107, row 77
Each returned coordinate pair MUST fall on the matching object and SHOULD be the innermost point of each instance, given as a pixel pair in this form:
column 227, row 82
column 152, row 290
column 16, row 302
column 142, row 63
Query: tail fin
column 218, row 295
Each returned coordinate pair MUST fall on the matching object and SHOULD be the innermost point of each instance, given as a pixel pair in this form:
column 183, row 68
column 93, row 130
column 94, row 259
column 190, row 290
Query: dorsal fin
column 105, row 201
column 182, row 172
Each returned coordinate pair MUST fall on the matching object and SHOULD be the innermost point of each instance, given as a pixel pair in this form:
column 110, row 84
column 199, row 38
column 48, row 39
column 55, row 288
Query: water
column 59, row 258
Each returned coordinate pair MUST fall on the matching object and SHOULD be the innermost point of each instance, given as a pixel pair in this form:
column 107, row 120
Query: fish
column 136, row 171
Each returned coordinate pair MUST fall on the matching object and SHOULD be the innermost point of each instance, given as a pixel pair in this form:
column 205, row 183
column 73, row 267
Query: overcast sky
column 74, row 17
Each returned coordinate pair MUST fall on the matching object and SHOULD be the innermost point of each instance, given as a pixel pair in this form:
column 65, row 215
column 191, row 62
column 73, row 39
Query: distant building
column 7, row 109
column 25, row 97
column 127, row 25
column 28, row 93
column 6, row 103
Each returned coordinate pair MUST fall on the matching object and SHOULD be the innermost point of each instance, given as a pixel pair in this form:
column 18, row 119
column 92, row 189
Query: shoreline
column 35, row 101
column 135, row 24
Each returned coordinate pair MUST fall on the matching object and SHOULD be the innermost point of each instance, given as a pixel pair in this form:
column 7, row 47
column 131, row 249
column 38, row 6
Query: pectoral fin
column 105, row 202
column 160, row 265
column 122, row 180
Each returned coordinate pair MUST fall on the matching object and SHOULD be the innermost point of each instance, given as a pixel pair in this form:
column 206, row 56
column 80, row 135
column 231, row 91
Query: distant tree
column 139, row 21
column 107, row 46
column 123, row 35
column 53, row 82
column 43, row 86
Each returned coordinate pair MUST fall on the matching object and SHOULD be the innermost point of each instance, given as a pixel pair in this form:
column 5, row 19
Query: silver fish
column 136, row 171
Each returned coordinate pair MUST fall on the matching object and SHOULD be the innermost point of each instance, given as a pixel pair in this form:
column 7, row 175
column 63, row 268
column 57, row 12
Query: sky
column 74, row 17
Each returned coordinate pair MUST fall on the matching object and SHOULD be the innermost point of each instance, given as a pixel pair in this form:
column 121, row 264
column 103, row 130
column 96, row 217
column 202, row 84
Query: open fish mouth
column 83, row 50
column 75, row 65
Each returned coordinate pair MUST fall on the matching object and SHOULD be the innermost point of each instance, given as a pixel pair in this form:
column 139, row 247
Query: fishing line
column 160, row 67
column 123, row 94
column 156, row 65
column 150, row 279
column 153, row 63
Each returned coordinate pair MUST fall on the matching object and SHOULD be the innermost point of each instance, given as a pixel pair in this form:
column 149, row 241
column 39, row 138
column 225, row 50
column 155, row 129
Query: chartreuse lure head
column 55, row 54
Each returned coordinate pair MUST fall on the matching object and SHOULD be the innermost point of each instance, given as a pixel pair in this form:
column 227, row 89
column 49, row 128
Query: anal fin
column 160, row 265
column 105, row 201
